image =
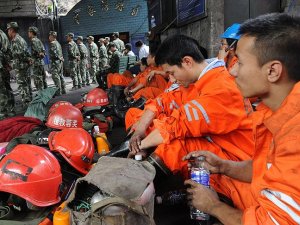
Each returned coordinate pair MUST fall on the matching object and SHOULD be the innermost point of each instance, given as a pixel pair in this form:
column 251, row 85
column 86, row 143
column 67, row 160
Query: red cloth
column 17, row 126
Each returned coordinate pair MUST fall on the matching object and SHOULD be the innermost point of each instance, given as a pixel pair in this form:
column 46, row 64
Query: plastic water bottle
column 153, row 23
column 199, row 174
column 101, row 140
column 176, row 197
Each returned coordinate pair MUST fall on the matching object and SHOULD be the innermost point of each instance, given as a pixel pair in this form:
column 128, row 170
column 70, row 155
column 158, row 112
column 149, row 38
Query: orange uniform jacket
column 172, row 98
column 276, row 164
column 153, row 88
column 218, row 113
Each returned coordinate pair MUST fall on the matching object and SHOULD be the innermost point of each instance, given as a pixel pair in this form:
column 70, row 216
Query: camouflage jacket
column 55, row 52
column 4, row 49
column 83, row 51
column 37, row 51
column 19, row 53
column 115, row 62
column 73, row 51
column 93, row 49
column 119, row 44
column 103, row 52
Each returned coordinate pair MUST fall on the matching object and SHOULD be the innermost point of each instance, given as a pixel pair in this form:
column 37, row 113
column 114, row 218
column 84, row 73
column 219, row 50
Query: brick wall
column 105, row 22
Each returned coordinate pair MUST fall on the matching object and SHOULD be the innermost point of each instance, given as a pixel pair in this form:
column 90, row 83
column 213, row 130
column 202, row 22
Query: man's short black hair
column 128, row 47
column 144, row 61
column 175, row 48
column 277, row 37
column 139, row 44
column 153, row 49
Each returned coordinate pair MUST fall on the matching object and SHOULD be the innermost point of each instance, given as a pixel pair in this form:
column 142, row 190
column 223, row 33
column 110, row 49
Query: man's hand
column 151, row 75
column 212, row 161
column 126, row 91
column 201, row 197
column 135, row 141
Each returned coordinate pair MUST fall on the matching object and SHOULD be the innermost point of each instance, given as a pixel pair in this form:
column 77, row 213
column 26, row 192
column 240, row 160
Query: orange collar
column 288, row 109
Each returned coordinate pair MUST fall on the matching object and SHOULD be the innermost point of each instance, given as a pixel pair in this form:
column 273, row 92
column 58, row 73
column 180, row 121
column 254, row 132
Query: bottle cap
column 138, row 157
column 96, row 129
column 159, row 200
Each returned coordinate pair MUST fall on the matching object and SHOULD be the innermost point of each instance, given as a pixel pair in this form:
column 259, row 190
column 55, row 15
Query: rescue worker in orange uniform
column 149, row 83
column 215, row 119
column 158, row 107
column 228, row 45
column 268, row 67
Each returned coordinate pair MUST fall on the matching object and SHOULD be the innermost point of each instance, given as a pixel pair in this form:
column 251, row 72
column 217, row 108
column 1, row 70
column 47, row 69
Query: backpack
column 116, row 191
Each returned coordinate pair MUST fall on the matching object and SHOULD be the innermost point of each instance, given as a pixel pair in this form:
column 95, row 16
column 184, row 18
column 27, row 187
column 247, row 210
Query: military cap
column 13, row 25
column 111, row 44
column 33, row 30
column 90, row 37
column 53, row 33
column 101, row 39
column 70, row 35
column 80, row 38
column 116, row 34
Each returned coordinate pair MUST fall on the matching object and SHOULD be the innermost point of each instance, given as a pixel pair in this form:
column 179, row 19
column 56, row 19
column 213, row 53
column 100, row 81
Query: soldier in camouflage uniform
column 94, row 58
column 37, row 55
column 83, row 61
column 115, row 59
column 7, row 101
column 20, row 62
column 74, row 58
column 102, row 54
column 119, row 43
column 56, row 66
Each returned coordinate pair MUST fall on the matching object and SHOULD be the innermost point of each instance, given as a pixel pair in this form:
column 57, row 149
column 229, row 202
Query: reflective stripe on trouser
column 24, row 86
column 38, row 73
column 74, row 73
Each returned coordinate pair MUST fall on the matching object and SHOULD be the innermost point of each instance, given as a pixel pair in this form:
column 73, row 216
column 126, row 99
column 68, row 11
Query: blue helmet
column 231, row 32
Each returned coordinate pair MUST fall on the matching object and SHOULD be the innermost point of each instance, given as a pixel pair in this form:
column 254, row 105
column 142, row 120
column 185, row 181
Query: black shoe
column 74, row 88
column 93, row 82
column 83, row 85
column 63, row 92
column 87, row 84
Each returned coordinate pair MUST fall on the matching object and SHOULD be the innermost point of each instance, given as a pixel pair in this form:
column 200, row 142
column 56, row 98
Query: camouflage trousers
column 94, row 69
column 39, row 77
column 102, row 63
column 74, row 73
column 85, row 76
column 58, row 77
column 24, row 85
column 7, row 100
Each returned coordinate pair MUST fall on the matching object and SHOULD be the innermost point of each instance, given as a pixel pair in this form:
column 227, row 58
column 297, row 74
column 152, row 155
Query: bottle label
column 201, row 177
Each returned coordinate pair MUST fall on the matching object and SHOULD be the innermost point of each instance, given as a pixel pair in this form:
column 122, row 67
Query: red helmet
column 65, row 116
column 79, row 151
column 31, row 173
column 57, row 104
column 96, row 97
